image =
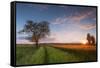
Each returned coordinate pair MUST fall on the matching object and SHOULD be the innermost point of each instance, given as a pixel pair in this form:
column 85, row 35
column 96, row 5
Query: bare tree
column 37, row 30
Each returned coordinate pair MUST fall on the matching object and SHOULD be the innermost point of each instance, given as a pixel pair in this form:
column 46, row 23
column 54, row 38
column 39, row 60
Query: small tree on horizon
column 89, row 38
column 37, row 30
column 93, row 40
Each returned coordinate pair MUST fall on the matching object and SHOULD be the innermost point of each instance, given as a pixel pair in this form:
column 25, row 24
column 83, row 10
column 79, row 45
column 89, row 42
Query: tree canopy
column 37, row 30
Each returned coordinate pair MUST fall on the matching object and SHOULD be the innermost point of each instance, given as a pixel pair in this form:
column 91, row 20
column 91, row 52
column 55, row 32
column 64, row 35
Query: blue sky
column 68, row 24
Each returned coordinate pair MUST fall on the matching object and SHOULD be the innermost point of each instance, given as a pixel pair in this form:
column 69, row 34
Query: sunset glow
column 84, row 41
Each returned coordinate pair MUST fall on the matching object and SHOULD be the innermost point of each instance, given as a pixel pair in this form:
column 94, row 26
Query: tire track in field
column 46, row 55
column 54, row 55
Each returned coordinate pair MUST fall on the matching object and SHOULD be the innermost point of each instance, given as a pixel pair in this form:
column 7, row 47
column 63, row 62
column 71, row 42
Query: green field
column 49, row 54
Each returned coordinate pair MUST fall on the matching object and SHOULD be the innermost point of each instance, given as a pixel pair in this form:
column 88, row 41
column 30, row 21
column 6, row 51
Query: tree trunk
column 37, row 44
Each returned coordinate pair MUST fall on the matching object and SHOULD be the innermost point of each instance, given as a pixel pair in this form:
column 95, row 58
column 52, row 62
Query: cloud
column 77, row 18
column 81, row 13
column 90, row 14
column 87, row 26
column 74, row 18
column 60, row 20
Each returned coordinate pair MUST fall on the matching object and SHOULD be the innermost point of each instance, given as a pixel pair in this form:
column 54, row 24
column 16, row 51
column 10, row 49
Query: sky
column 68, row 24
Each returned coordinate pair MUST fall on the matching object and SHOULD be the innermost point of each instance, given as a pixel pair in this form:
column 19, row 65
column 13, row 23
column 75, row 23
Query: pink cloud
column 80, row 16
column 87, row 26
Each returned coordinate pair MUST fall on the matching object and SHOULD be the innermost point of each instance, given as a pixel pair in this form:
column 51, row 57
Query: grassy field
column 27, row 54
